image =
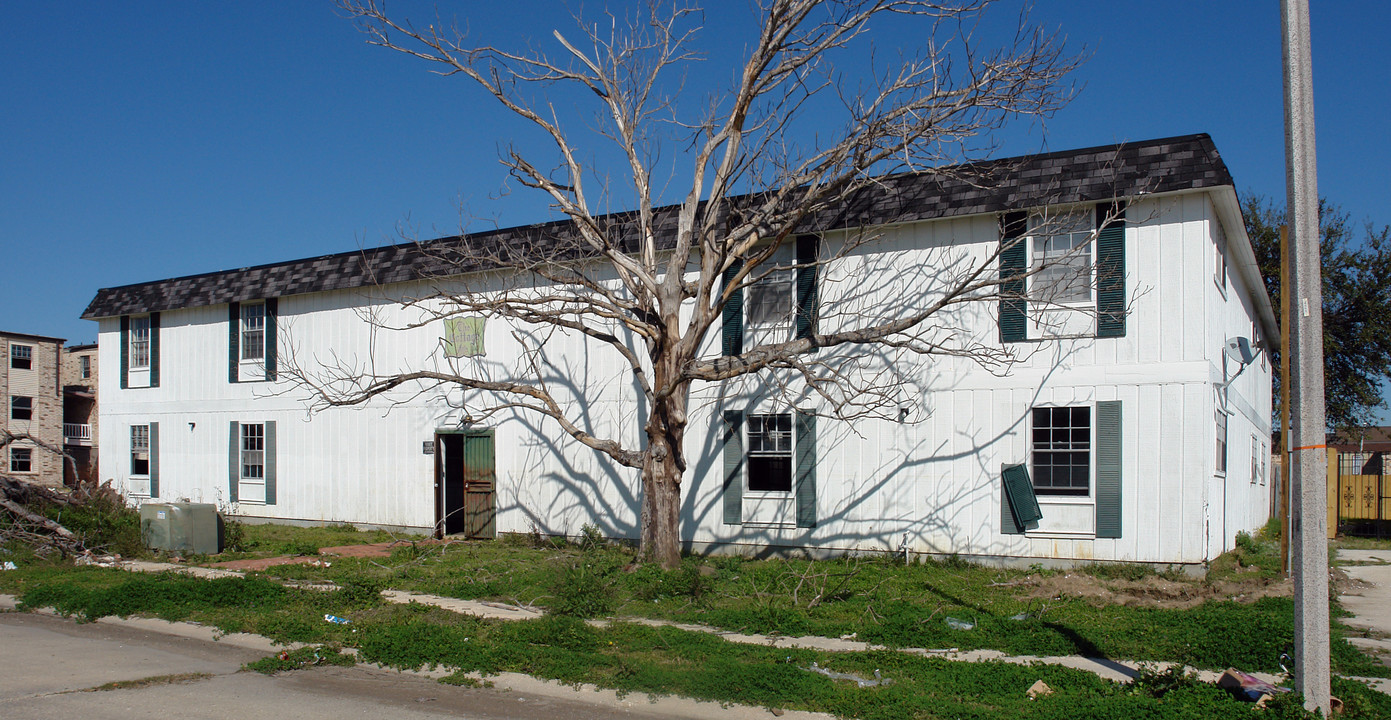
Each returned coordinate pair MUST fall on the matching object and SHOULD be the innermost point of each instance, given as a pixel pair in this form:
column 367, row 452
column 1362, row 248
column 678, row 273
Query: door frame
column 439, row 469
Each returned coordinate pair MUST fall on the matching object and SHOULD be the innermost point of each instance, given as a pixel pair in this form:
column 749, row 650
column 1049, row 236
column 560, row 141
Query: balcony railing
column 77, row 434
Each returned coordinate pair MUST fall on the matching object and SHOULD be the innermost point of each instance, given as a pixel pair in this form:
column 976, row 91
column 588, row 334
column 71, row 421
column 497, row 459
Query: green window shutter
column 125, row 351
column 272, row 312
column 233, row 462
column 733, row 489
column 154, row 349
column 233, row 340
column 1013, row 263
column 808, row 248
column 733, row 313
column 1022, row 511
column 1108, row 469
column 1110, row 272
column 805, row 469
column 154, row 459
column 270, row 462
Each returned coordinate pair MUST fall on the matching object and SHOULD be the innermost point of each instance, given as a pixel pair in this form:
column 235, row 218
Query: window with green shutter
column 1013, row 263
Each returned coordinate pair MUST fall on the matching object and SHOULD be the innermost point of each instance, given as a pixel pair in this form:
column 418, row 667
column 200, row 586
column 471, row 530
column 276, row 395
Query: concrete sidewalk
column 1369, row 601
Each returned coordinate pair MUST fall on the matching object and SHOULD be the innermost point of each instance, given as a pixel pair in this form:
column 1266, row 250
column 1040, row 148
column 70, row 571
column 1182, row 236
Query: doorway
column 465, row 487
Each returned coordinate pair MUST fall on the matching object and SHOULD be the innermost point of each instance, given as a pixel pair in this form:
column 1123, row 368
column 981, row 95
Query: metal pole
column 1285, row 472
column 1309, row 438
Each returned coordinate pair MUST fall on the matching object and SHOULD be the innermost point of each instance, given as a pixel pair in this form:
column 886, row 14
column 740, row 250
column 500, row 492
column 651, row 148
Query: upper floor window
column 1219, row 271
column 1221, row 441
column 1062, row 444
column 21, row 408
column 21, row 357
column 140, row 342
column 1061, row 255
column 253, row 331
column 84, row 364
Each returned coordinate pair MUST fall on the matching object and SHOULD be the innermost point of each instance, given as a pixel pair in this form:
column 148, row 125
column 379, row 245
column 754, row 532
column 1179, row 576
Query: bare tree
column 651, row 284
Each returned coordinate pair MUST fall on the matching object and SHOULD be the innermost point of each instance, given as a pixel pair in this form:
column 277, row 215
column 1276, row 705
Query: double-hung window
column 21, row 357
column 1061, row 251
column 1062, row 447
column 771, row 304
column 1221, row 416
column 140, row 450
column 84, row 363
column 252, row 487
column 770, row 453
column 21, row 460
column 21, row 407
column 253, row 332
column 140, row 343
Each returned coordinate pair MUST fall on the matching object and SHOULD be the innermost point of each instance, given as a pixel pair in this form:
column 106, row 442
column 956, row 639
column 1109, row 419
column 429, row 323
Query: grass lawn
column 1240, row 616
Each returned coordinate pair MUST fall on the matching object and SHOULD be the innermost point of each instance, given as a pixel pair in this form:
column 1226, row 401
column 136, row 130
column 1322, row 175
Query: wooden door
column 480, row 488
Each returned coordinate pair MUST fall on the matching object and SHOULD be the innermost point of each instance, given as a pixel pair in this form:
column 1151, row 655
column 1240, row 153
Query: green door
column 480, row 488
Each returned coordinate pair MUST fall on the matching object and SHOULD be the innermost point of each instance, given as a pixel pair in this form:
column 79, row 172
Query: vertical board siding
column 935, row 477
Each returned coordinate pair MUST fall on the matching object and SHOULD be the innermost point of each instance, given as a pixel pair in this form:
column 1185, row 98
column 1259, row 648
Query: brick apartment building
column 49, row 399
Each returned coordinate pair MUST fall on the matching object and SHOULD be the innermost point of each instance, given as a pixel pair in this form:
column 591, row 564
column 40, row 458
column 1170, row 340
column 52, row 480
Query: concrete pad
column 477, row 608
column 1370, row 603
column 1366, row 556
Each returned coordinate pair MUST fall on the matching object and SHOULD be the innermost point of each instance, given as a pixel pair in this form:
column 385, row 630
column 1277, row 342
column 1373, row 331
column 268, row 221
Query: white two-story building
column 1124, row 429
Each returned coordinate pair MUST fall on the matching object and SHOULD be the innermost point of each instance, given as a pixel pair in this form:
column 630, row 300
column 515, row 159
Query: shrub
column 582, row 589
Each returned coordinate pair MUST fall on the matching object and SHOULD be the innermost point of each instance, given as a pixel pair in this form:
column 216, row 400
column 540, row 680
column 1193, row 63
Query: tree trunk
column 662, row 469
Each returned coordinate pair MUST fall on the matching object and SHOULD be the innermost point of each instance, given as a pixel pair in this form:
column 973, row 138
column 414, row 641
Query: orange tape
column 1308, row 447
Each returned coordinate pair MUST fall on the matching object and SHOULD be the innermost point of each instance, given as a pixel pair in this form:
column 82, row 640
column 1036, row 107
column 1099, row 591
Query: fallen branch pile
column 21, row 518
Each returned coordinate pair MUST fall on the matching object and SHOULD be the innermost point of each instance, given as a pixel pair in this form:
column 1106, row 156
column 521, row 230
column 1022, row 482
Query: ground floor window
column 770, row 453
column 21, row 460
column 140, row 450
column 1221, row 441
column 1062, row 445
column 253, row 463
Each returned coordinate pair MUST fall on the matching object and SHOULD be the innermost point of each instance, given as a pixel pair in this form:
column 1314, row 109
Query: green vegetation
column 1117, row 611
column 306, row 656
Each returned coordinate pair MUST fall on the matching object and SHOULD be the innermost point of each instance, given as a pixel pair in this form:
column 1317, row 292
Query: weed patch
column 307, row 656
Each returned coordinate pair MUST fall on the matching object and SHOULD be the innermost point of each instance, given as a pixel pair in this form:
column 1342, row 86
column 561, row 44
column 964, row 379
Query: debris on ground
column 336, row 619
column 861, row 681
column 22, row 502
column 1038, row 688
column 1249, row 687
column 959, row 624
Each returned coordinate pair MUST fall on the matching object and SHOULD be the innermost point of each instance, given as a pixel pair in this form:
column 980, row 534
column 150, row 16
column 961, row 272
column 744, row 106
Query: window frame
column 21, row 356
column 249, row 335
column 27, row 455
column 778, row 278
column 251, row 453
column 84, row 367
column 1223, row 445
column 27, row 408
column 139, row 351
column 1070, row 223
column 1053, row 490
column 763, row 430
column 1219, row 267
column 139, row 440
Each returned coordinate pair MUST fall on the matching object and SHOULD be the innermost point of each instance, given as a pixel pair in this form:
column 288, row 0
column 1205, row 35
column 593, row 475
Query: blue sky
column 156, row 139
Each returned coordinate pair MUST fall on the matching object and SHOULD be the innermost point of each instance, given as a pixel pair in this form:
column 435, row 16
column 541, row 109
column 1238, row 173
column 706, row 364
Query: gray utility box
column 182, row 527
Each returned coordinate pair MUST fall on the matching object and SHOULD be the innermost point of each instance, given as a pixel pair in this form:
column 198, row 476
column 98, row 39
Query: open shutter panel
column 808, row 247
column 1108, row 469
column 270, row 462
column 154, row 459
column 233, row 340
column 733, row 489
column 1019, row 496
column 272, row 312
column 806, row 469
column 733, row 335
column 1007, row 524
column 1110, row 271
column 1013, row 263
column 125, row 351
column 233, row 462
column 154, row 349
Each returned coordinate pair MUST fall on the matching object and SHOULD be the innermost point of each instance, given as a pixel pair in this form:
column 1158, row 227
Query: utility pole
column 1285, row 472
column 1308, row 439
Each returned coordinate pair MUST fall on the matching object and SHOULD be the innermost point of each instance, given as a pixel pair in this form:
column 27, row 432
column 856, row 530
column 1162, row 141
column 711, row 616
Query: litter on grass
column 336, row 619
column 959, row 624
column 858, row 680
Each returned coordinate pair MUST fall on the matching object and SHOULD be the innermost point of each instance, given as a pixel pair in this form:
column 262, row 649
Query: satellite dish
column 1239, row 349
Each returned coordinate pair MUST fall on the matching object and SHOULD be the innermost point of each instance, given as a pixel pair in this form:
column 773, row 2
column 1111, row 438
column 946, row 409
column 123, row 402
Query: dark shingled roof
column 1188, row 162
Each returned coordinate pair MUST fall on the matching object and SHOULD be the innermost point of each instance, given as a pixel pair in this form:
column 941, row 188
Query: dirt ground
column 1151, row 591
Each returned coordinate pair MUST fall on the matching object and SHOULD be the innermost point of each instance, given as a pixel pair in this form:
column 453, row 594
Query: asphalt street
column 53, row 668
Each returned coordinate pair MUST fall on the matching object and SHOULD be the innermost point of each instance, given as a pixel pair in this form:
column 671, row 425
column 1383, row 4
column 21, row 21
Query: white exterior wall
column 936, row 479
